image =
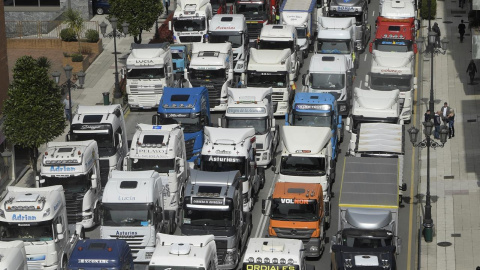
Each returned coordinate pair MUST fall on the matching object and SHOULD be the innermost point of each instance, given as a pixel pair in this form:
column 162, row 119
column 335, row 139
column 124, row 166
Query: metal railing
column 42, row 29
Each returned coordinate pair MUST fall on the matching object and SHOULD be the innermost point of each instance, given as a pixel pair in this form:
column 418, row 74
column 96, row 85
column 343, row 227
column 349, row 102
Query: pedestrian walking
column 436, row 122
column 444, row 112
column 428, row 116
column 166, row 4
column 451, row 123
column 471, row 70
column 461, row 30
column 66, row 106
column 436, row 29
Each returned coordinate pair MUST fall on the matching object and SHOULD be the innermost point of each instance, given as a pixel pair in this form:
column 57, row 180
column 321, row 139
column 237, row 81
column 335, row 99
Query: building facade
column 44, row 10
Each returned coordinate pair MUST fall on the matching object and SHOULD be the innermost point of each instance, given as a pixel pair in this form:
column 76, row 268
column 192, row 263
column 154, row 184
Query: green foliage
column 140, row 14
column 424, row 10
column 44, row 62
column 77, row 57
column 92, row 36
column 74, row 21
column 68, row 35
column 33, row 112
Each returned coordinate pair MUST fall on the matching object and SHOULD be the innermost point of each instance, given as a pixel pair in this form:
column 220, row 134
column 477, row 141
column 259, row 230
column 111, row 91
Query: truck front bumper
column 221, row 107
column 313, row 247
column 87, row 221
column 144, row 101
column 144, row 255
column 282, row 108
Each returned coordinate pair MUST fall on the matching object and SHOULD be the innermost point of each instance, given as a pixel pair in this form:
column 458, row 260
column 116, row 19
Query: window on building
column 31, row 3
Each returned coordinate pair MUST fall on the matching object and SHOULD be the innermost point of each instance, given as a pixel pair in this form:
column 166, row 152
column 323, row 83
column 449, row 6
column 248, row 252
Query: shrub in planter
column 68, row 35
column 424, row 10
column 92, row 36
column 77, row 57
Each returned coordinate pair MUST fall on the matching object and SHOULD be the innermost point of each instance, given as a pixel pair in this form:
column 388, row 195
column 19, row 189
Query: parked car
column 101, row 6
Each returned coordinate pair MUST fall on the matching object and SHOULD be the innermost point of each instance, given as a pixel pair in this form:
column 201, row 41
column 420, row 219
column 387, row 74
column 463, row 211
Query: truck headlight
column 343, row 108
column 313, row 249
column 264, row 156
column 87, row 217
column 405, row 113
column 245, row 198
column 282, row 107
column 240, row 66
column 148, row 255
column 230, row 257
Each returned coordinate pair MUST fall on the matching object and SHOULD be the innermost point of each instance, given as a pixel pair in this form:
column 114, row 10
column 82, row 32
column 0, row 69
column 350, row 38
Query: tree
column 75, row 22
column 140, row 15
column 34, row 110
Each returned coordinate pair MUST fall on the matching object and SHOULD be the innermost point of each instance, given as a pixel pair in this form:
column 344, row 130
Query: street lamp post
column 103, row 28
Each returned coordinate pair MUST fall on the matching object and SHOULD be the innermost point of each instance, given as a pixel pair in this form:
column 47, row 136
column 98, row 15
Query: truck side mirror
column 60, row 234
column 272, row 128
column 155, row 119
column 94, row 181
column 304, row 77
column 219, row 122
column 230, row 75
column 366, row 80
column 297, row 48
column 67, row 137
column 120, row 141
column 122, row 73
column 170, row 25
column 333, row 240
column 399, row 245
column 415, row 48
column 169, row 71
column 264, row 204
column 347, row 124
column 415, row 82
column 370, row 47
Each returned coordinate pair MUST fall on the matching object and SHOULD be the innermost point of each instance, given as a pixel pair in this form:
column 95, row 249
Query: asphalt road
column 408, row 223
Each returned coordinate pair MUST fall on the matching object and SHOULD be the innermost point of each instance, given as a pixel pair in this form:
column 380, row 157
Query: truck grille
column 104, row 171
column 135, row 243
column 214, row 93
column 254, row 30
column 184, row 39
column 293, row 233
column 277, row 96
column 74, row 205
column 221, row 250
column 189, row 147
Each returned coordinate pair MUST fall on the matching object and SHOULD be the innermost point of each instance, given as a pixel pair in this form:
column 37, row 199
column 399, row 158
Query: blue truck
column 180, row 58
column 317, row 110
column 92, row 254
column 190, row 108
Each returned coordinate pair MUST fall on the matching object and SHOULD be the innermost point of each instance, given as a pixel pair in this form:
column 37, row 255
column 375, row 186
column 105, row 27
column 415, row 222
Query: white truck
column 330, row 73
column 394, row 70
column 228, row 149
column 184, row 252
column 252, row 107
column 13, row 256
column 106, row 125
column 337, row 36
column 307, row 158
column 301, row 14
column 398, row 9
column 190, row 21
column 272, row 68
column 275, row 254
column 132, row 210
column 76, row 167
column 161, row 148
column 281, row 37
column 231, row 28
column 38, row 217
column 211, row 66
column 148, row 70
column 380, row 140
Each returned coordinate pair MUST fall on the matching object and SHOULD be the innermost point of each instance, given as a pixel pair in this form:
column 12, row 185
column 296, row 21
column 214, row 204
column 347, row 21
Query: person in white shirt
column 445, row 111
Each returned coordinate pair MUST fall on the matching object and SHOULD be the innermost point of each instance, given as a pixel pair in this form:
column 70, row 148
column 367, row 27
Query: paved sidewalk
column 455, row 169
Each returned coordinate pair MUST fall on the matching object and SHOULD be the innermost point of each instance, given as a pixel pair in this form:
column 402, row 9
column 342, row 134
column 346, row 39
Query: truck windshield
column 189, row 24
column 236, row 40
column 253, row 8
column 159, row 165
column 204, row 217
column 341, row 46
column 189, row 125
column 390, row 82
column 294, row 211
column 127, row 214
column 301, row 32
column 146, row 73
column 168, row 267
column 223, row 164
column 298, row 165
column 76, row 184
column 28, row 232
column 104, row 139
column 178, row 55
column 311, row 120
column 275, row 45
column 366, row 242
column 392, row 46
column 259, row 124
column 327, row 81
column 259, row 79
column 207, row 75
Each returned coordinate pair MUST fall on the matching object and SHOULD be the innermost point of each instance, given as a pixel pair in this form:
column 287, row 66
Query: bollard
column 428, row 232
column 106, row 98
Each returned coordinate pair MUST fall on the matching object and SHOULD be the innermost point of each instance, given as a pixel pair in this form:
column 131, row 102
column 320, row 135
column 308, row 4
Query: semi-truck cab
column 38, row 217
column 252, row 107
column 227, row 149
column 76, row 167
column 257, row 14
column 394, row 35
column 394, row 70
column 161, row 148
column 397, row 9
column 211, row 66
column 330, row 73
column 184, row 252
column 213, row 205
column 93, row 254
column 190, row 20
column 180, row 59
column 297, row 211
column 190, row 108
column 149, row 69
column 106, row 125
column 132, row 210
column 272, row 68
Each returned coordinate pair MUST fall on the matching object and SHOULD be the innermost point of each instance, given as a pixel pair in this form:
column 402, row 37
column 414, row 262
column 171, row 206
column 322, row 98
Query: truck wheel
column 261, row 172
column 96, row 216
column 64, row 262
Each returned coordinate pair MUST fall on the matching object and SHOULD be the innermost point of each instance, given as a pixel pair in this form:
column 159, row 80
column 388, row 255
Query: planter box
column 72, row 47
column 77, row 66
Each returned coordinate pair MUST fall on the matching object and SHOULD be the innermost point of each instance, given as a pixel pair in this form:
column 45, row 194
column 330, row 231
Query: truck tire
column 64, row 262
column 261, row 172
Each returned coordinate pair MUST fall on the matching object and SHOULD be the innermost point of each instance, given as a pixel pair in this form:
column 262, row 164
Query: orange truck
column 297, row 212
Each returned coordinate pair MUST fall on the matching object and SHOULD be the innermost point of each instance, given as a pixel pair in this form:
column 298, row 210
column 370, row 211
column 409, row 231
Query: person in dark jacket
column 436, row 29
column 461, row 30
column 471, row 70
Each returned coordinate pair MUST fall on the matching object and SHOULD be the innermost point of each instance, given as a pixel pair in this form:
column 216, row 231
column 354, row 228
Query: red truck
column 394, row 35
column 257, row 13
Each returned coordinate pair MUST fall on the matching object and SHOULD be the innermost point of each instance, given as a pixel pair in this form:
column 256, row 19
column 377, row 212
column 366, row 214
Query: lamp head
column 413, row 133
column 103, row 28
column 56, row 76
column 68, row 71
column 113, row 22
column 81, row 77
column 443, row 134
column 428, row 127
